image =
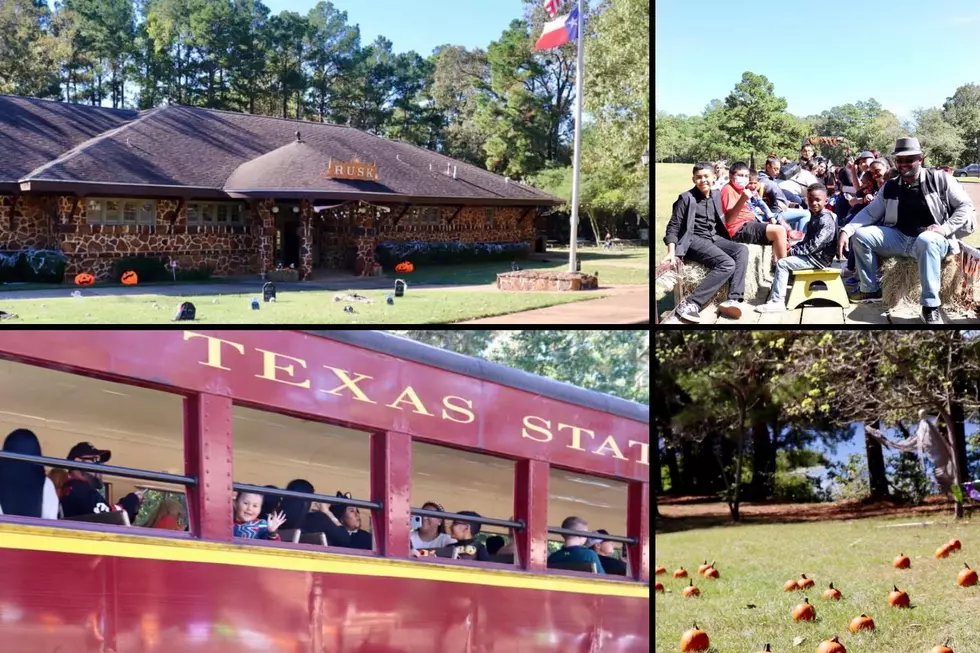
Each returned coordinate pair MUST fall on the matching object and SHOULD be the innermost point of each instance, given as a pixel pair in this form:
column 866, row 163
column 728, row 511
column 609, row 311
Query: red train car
column 393, row 422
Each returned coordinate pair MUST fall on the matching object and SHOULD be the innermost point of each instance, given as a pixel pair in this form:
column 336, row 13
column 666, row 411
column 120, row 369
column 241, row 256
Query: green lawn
column 755, row 561
column 302, row 307
column 618, row 266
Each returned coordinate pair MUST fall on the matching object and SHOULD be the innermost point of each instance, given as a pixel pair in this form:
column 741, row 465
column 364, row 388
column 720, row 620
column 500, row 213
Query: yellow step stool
column 802, row 292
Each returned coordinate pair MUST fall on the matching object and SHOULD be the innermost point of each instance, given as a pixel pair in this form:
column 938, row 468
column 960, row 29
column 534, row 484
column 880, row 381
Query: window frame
column 143, row 217
column 206, row 214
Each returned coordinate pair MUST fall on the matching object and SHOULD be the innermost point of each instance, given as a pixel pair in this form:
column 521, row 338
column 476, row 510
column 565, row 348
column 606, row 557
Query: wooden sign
column 351, row 170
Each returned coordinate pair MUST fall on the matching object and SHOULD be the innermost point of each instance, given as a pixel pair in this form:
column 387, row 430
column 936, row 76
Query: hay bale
column 757, row 275
column 900, row 286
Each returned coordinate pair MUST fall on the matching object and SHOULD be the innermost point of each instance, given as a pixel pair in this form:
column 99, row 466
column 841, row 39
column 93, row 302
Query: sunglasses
column 906, row 159
column 96, row 460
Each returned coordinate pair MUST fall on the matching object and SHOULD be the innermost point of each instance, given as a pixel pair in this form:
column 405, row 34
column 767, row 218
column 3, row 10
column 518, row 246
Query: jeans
column 725, row 261
column 793, row 197
column 783, row 267
column 796, row 218
column 929, row 249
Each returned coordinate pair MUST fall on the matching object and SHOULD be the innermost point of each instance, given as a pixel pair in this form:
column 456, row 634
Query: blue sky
column 903, row 53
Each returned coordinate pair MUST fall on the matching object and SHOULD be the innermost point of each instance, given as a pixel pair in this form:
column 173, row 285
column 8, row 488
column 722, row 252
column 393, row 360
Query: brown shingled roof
column 33, row 132
column 193, row 151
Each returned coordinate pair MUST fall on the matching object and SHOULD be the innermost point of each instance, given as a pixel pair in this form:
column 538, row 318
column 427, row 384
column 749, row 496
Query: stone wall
column 543, row 280
column 51, row 222
column 469, row 226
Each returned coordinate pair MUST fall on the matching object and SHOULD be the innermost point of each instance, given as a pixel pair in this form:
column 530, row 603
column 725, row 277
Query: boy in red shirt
column 740, row 222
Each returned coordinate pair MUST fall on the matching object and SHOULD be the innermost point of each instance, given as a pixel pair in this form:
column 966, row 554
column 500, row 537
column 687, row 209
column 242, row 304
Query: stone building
column 239, row 193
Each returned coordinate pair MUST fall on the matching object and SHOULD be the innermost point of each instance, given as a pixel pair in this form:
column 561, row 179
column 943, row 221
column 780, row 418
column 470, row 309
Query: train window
column 101, row 423
column 464, row 481
column 598, row 502
column 278, row 450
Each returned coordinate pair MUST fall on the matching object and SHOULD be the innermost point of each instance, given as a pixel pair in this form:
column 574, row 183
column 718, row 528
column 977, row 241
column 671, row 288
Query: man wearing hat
column 82, row 492
column 920, row 215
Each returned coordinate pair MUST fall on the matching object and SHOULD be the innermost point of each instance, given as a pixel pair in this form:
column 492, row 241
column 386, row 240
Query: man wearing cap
column 605, row 549
column 82, row 492
column 920, row 214
column 465, row 532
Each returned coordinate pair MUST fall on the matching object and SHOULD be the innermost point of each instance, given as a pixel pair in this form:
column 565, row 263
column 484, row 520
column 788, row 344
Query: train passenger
column 465, row 533
column 270, row 502
column 350, row 518
column 574, row 549
column 82, row 493
column 494, row 544
column 312, row 517
column 59, row 477
column 169, row 515
column 24, row 489
column 248, row 522
column 432, row 533
column 605, row 549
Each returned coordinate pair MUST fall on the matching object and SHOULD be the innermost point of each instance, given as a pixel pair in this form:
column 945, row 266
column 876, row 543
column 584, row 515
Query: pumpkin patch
column 804, row 611
column 791, row 585
column 680, row 573
column 898, row 599
column 804, row 582
column 864, row 622
column 902, row 562
column 694, row 639
column 691, row 590
column 831, row 645
column 832, row 593
column 967, row 577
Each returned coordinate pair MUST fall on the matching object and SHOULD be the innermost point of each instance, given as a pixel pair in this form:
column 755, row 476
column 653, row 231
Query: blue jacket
column 577, row 554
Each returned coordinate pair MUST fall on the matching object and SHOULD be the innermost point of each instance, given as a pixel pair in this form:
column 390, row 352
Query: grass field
column 305, row 307
column 746, row 607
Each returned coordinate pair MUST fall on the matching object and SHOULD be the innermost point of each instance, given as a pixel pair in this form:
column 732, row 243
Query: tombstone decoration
column 268, row 292
column 173, row 268
column 515, row 267
column 578, row 265
column 348, row 309
column 390, row 300
column 185, row 311
column 255, row 303
column 400, row 287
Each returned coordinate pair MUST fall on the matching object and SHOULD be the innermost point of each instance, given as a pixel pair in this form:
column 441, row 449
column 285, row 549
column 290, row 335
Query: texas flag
column 560, row 31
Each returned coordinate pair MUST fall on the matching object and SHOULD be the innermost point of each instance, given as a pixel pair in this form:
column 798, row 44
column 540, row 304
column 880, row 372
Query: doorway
column 287, row 237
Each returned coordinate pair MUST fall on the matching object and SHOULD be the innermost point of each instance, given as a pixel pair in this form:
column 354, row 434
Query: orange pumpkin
column 967, row 577
column 680, row 573
column 902, row 562
column 129, row 278
column 705, row 567
column 898, row 599
column 804, row 611
column 832, row 645
column 691, row 590
column 766, row 649
column 832, row 593
column 864, row 622
column 84, row 279
column 405, row 266
column 659, row 587
column 954, row 544
column 791, row 585
column 943, row 551
column 804, row 582
column 942, row 648
column 711, row 572
column 694, row 640
column 661, row 570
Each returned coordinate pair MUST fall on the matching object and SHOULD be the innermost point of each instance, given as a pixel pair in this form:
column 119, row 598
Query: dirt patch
column 685, row 513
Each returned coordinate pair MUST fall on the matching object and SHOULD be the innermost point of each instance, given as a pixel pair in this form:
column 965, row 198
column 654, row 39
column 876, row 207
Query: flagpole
column 572, row 246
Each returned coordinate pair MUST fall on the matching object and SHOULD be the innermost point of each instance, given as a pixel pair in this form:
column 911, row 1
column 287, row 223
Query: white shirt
column 440, row 541
column 49, row 501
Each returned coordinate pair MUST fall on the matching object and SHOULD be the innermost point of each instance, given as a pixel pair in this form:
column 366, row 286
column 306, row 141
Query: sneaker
column 772, row 306
column 795, row 235
column 932, row 315
column 688, row 311
column 730, row 309
column 865, row 297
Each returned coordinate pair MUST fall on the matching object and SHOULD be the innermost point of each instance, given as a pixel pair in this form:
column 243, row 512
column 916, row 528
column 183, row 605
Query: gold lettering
column 338, row 169
column 269, row 368
column 610, row 443
column 214, row 349
column 457, row 409
column 349, row 383
column 360, row 170
column 644, row 451
column 576, row 435
column 543, row 430
column 413, row 399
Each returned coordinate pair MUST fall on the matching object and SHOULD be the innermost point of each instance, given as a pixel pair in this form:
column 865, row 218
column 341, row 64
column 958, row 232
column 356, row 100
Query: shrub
column 908, row 481
column 850, row 478
column 147, row 268
column 798, row 487
column 33, row 265
column 390, row 253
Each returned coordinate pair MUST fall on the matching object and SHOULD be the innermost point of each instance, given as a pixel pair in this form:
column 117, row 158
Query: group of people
column 812, row 212
column 26, row 491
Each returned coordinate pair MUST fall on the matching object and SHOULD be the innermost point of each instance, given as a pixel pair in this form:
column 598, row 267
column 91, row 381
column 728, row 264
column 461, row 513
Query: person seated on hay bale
column 870, row 184
column 765, row 205
column 918, row 215
column 696, row 232
column 815, row 252
column 740, row 222
column 795, row 179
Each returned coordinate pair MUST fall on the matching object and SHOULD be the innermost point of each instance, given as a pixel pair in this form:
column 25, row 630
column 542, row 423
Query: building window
column 429, row 216
column 215, row 213
column 120, row 211
column 489, row 213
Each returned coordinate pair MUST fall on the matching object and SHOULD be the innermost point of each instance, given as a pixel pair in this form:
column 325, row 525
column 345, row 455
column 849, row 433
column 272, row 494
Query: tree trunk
column 657, row 473
column 740, row 455
column 688, row 476
column 877, row 478
column 957, row 432
column 670, row 453
column 763, row 462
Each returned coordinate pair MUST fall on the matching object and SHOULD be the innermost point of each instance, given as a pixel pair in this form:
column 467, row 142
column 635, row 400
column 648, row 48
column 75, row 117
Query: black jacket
column 479, row 550
column 680, row 229
column 820, row 241
column 78, row 497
